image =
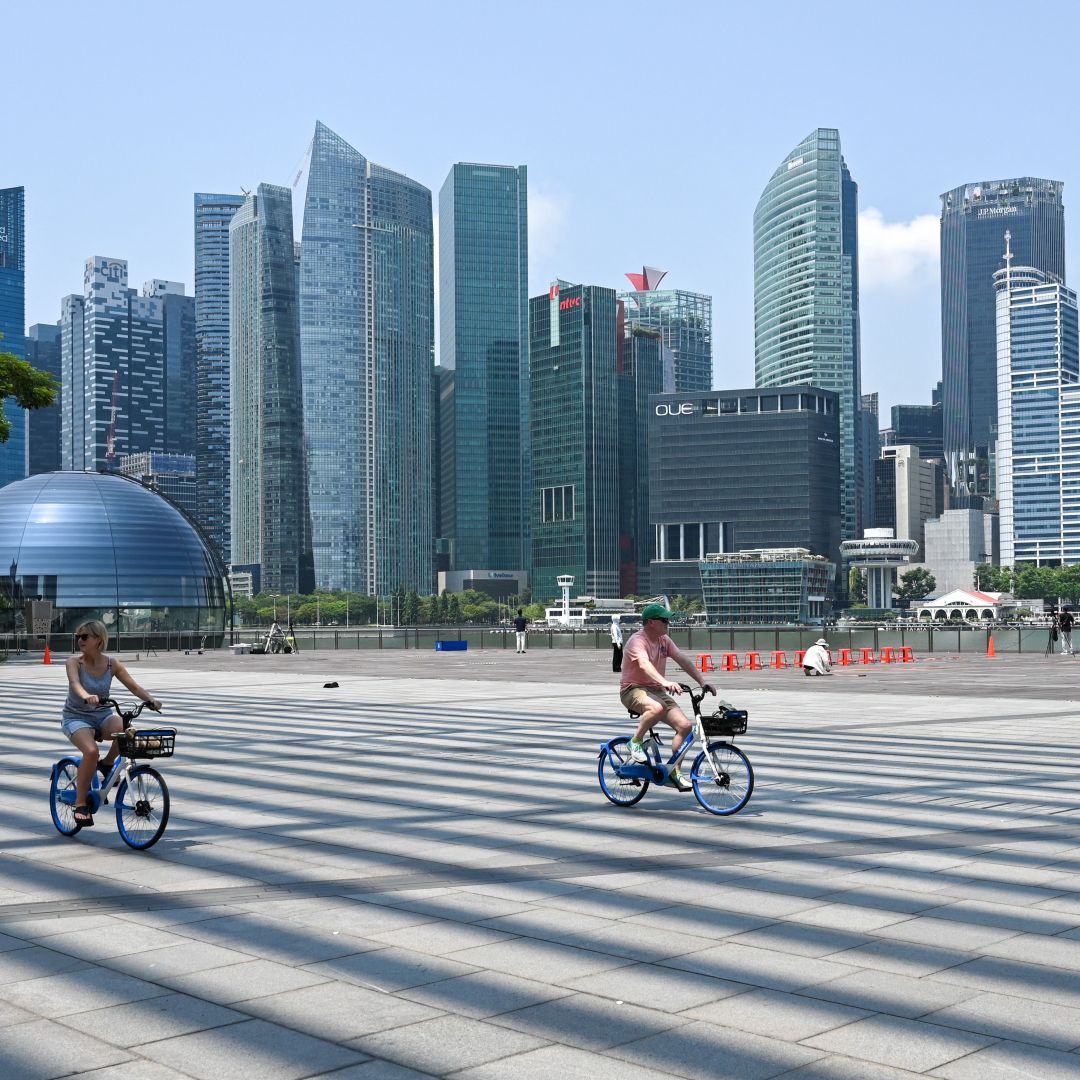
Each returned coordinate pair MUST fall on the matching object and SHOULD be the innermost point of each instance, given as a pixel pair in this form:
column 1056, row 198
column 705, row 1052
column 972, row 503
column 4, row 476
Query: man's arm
column 687, row 665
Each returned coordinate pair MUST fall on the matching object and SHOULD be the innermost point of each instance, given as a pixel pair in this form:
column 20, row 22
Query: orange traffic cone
column 48, row 655
column 990, row 651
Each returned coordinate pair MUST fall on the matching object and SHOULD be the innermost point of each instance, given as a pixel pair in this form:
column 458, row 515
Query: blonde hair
column 97, row 628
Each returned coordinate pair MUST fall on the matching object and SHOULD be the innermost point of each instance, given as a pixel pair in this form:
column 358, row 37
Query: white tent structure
column 966, row 605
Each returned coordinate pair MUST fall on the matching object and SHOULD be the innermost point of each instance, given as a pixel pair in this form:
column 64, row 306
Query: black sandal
column 84, row 816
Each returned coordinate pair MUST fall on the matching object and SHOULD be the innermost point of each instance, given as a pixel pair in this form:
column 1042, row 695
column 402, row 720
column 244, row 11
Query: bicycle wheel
column 622, row 791
column 62, row 796
column 722, row 778
column 142, row 808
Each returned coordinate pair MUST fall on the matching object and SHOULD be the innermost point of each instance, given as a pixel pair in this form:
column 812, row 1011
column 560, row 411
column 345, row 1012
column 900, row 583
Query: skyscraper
column 684, row 320
column 267, row 453
column 113, row 361
column 13, row 322
column 806, row 291
column 1038, row 409
column 178, row 350
column 974, row 218
column 574, row 438
column 213, row 213
column 484, row 307
column 367, row 335
column 43, row 425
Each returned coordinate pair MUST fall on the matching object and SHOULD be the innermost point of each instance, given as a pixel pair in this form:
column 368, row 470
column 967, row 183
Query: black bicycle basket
column 725, row 722
column 153, row 743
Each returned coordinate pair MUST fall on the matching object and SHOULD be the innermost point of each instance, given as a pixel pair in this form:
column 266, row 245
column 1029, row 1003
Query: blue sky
column 649, row 130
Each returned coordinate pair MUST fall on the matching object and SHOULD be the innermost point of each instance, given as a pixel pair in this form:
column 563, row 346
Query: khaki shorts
column 635, row 698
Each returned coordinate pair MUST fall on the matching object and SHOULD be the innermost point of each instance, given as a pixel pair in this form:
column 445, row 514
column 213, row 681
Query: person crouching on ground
column 816, row 660
column 90, row 673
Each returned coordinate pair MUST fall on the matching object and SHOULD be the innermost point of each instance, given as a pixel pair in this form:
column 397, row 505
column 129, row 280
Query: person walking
column 521, row 627
column 816, row 659
column 616, row 643
column 1065, row 629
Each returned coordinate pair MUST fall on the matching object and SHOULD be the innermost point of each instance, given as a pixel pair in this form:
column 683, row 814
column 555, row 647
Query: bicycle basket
column 157, row 742
column 725, row 722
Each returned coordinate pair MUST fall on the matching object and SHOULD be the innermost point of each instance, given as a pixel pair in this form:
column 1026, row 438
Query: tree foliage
column 31, row 389
column 916, row 584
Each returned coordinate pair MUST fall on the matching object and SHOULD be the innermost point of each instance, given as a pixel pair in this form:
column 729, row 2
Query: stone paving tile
column 393, row 969
column 891, row 900
column 905, row 1044
column 43, row 1049
column 34, row 962
column 1059, row 952
column 484, row 994
column 12, row 1014
column 95, row 945
column 357, row 918
column 887, row 992
column 377, row 1070
column 760, row 967
column 1012, row 978
column 757, row 902
column 601, row 903
column 457, row 905
column 791, row 1017
column 177, row 960
column 548, row 924
column 249, row 1049
column 560, row 1063
column 851, row 917
column 1012, row 1061
column 132, row 1070
column 1032, row 920
column 36, row 929
column 337, row 1011
column 447, row 1044
column 903, row 957
column 1021, row 1019
column 530, row 958
column 696, row 921
column 177, row 916
column 77, row 991
column 836, row 1067
column 701, row 1051
column 440, row 937
column 588, row 1021
column 800, row 939
column 152, row 1019
column 238, row 982
column 946, row 933
column 649, row 944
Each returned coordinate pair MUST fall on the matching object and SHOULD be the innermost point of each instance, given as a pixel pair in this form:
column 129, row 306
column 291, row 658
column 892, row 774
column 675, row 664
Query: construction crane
column 110, row 441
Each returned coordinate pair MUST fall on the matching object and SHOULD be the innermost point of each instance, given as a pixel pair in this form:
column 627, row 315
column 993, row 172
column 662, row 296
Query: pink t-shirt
column 639, row 648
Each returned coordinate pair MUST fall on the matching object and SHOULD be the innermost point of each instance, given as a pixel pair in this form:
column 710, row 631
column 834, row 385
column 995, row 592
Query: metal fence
column 697, row 640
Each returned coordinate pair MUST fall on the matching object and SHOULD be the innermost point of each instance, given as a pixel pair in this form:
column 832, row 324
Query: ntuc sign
column 566, row 304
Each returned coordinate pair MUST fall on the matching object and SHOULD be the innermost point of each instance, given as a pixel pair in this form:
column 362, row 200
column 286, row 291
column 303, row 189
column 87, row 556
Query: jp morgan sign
column 686, row 408
column 997, row 211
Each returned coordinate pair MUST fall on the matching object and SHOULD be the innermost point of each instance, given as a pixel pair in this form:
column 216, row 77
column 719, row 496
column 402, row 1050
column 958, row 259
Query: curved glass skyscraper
column 806, row 291
column 367, row 339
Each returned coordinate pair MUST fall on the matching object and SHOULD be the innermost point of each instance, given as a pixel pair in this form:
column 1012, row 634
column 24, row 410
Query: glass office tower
column 13, row 322
column 684, row 320
column 806, row 291
column 1038, row 384
column 974, row 218
column 269, row 526
column 484, row 341
column 43, row 425
column 213, row 213
column 367, row 336
column 574, row 439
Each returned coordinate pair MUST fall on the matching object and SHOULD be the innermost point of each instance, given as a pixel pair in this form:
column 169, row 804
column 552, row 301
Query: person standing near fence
column 616, row 643
column 1065, row 629
column 521, row 627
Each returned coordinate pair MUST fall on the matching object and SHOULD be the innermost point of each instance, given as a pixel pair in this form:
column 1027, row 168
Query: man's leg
column 676, row 719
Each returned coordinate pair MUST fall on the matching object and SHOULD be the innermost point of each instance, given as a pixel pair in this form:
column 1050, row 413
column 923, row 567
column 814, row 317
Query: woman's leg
column 111, row 727
column 83, row 740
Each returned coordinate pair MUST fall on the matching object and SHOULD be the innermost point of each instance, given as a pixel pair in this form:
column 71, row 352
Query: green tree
column 410, row 610
column 994, row 578
column 857, row 586
column 442, row 608
column 453, row 610
column 916, row 584
column 31, row 389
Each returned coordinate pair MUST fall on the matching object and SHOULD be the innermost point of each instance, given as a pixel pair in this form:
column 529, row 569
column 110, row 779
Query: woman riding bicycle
column 85, row 720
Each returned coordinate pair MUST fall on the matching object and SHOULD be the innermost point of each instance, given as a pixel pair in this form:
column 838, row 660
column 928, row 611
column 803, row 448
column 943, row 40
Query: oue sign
column 685, row 409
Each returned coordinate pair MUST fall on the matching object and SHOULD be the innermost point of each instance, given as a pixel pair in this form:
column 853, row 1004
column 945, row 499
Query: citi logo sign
column 685, row 409
column 570, row 302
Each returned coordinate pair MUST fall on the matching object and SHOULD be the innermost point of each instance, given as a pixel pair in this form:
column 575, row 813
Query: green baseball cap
column 654, row 611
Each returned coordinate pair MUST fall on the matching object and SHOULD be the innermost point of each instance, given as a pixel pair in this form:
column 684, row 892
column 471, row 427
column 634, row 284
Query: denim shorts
column 70, row 724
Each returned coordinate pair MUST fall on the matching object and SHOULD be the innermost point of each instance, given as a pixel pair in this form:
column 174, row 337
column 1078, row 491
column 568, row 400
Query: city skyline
column 689, row 212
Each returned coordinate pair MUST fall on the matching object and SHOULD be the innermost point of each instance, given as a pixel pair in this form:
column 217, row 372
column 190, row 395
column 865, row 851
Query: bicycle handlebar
column 131, row 714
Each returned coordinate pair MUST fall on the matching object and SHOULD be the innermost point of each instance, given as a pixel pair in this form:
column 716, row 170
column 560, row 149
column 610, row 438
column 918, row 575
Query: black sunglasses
column 84, row 637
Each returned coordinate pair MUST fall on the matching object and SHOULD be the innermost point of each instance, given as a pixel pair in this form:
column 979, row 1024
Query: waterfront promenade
column 415, row 875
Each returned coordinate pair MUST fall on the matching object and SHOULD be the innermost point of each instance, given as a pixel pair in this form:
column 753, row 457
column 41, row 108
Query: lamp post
column 275, row 609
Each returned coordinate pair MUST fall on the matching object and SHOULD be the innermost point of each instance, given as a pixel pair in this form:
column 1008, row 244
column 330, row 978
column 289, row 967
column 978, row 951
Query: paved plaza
column 416, row 875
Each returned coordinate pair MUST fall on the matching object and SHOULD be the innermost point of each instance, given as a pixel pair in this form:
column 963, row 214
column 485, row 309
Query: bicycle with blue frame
column 721, row 777
column 142, row 798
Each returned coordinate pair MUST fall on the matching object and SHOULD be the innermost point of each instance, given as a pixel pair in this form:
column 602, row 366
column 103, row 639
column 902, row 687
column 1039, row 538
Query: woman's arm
column 121, row 673
column 72, row 666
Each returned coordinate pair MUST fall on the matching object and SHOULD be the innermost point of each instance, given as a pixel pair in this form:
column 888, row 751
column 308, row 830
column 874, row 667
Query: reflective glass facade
column 43, row 425
column 756, row 588
column 367, row 332
column 974, row 218
column 739, row 469
column 269, row 526
column 13, row 322
column 138, row 564
column 213, row 213
column 574, row 439
column 1038, row 381
column 806, row 291
column 483, row 298
column 684, row 320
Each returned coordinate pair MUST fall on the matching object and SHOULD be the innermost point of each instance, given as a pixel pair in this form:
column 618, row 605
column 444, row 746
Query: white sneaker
column 637, row 750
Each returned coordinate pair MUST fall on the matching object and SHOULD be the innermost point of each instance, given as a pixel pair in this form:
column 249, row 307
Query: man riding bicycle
column 646, row 690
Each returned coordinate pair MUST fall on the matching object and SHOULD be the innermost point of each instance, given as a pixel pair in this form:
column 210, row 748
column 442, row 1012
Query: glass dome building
column 102, row 546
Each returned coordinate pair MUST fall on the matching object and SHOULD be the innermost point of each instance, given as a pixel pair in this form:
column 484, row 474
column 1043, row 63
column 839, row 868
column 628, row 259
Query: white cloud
column 902, row 254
